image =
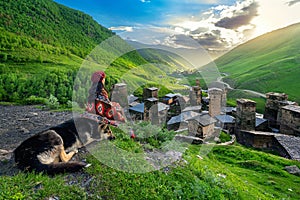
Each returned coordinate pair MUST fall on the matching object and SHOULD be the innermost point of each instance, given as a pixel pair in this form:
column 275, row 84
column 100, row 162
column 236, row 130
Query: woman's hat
column 98, row 76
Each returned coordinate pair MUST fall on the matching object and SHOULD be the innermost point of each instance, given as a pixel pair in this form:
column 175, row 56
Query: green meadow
column 269, row 63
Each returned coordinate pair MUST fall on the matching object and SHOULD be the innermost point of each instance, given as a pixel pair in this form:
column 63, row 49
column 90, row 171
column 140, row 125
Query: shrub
column 147, row 133
column 33, row 100
column 52, row 102
column 224, row 137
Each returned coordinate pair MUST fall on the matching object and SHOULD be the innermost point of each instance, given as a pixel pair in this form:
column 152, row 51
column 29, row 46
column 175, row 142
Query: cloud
column 291, row 3
column 221, row 27
column 200, row 2
column 180, row 41
column 145, row 1
column 122, row 28
column 239, row 17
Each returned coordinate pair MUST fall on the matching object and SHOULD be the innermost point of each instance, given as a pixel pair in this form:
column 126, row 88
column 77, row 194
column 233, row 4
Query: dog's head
column 105, row 132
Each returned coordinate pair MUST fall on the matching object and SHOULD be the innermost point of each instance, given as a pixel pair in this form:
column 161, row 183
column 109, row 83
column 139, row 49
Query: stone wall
column 208, row 130
column 290, row 120
column 224, row 98
column 273, row 106
column 150, row 93
column 215, row 101
column 284, row 145
column 151, row 110
column 245, row 115
column 195, row 96
column 197, row 130
column 261, row 140
column 119, row 94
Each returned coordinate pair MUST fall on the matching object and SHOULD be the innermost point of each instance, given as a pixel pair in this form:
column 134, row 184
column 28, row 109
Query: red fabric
column 90, row 107
column 111, row 111
column 98, row 76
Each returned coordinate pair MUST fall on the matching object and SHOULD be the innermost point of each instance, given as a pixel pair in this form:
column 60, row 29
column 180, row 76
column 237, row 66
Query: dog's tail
column 62, row 167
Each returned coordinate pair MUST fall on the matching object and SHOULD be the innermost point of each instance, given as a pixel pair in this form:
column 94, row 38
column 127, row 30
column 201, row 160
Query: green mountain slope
column 268, row 63
column 42, row 45
column 52, row 23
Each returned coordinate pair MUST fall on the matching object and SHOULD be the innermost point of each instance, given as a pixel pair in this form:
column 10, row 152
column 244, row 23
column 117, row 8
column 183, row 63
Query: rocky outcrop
column 188, row 139
column 293, row 170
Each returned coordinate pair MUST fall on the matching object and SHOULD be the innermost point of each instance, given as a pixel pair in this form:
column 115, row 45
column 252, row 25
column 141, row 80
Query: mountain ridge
column 267, row 63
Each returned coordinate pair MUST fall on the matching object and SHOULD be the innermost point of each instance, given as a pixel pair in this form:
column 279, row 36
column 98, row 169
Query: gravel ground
column 18, row 123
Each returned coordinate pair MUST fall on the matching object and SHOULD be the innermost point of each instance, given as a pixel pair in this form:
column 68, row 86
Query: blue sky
column 217, row 25
column 130, row 12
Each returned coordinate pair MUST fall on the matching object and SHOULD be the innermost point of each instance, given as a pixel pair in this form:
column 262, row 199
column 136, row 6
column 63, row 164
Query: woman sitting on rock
column 99, row 102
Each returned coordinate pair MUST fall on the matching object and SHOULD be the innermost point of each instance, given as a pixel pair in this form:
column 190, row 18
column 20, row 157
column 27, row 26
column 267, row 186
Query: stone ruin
column 245, row 115
column 215, row 101
column 273, row 105
column 195, row 96
column 282, row 114
column 290, row 120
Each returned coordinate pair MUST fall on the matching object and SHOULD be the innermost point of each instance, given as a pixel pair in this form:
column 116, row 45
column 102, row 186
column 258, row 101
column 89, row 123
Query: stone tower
column 224, row 98
column 273, row 105
column 151, row 110
column 245, row 115
column 290, row 120
column 215, row 101
column 119, row 94
column 195, row 96
column 150, row 93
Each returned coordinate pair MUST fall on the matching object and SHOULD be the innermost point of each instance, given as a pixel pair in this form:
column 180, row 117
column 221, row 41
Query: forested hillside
column 43, row 45
column 52, row 23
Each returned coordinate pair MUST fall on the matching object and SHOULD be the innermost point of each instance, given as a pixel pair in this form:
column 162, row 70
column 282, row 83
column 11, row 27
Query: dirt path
column 18, row 123
column 220, row 80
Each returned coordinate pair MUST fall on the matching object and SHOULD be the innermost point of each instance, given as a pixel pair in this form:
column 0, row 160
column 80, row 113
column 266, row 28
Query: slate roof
column 225, row 119
column 204, row 119
column 152, row 99
column 192, row 108
column 183, row 117
column 290, row 144
column 170, row 95
column 133, row 104
column 131, row 98
column 288, row 103
column 228, row 109
column 259, row 121
column 292, row 108
column 152, row 88
column 140, row 107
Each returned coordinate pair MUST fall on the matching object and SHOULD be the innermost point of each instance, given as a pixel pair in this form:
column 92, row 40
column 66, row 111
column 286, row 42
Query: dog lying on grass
column 50, row 151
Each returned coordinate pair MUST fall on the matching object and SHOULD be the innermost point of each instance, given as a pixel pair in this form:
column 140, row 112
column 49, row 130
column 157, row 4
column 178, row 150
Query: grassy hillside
column 268, row 63
column 169, row 59
column 42, row 45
